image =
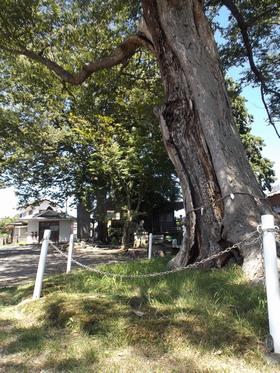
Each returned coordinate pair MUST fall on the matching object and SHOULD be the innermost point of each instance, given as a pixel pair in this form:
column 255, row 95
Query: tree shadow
column 13, row 295
column 231, row 315
column 210, row 309
column 27, row 339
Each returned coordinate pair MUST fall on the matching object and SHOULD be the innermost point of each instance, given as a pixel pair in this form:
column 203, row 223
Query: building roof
column 46, row 215
column 50, row 214
column 39, row 202
column 43, row 210
column 274, row 198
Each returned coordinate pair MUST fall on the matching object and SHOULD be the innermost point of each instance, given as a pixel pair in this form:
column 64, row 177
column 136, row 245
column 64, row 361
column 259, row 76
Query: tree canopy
column 63, row 35
column 74, row 40
column 250, row 40
column 85, row 141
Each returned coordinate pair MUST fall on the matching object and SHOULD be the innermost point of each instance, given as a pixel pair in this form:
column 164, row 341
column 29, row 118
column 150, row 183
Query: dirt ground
column 18, row 264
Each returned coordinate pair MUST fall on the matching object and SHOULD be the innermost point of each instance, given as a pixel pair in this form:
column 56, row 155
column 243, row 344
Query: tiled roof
column 52, row 214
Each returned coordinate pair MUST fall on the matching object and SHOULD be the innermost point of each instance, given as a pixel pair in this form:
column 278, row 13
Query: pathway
column 18, row 264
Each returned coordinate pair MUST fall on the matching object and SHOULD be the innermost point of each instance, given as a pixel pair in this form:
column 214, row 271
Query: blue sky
column 260, row 128
column 255, row 107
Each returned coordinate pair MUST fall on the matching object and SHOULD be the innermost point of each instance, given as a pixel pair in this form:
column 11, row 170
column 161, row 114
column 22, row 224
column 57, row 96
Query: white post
column 271, row 279
column 150, row 245
column 42, row 264
column 174, row 243
column 70, row 252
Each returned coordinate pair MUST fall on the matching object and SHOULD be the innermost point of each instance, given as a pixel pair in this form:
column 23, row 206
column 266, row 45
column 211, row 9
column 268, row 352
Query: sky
column 8, row 202
column 260, row 128
column 8, row 199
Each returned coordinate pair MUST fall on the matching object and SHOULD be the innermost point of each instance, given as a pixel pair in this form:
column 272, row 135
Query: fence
column 3, row 240
column 264, row 234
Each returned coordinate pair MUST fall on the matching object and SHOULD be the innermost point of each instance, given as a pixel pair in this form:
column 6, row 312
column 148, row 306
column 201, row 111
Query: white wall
column 65, row 229
column 33, row 226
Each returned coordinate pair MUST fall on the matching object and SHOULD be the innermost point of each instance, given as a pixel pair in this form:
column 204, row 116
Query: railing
column 265, row 236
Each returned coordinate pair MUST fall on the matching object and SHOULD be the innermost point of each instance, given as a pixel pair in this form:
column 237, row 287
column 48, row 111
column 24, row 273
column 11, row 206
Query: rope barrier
column 231, row 196
column 168, row 272
column 275, row 230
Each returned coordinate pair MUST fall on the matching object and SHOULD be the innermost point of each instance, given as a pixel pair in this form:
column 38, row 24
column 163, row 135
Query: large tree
column 196, row 119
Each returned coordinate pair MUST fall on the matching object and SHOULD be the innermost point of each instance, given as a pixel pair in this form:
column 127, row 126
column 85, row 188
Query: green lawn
column 193, row 321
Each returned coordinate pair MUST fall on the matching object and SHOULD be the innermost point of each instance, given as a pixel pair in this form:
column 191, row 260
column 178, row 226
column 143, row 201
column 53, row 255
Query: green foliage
column 75, row 142
column 260, row 19
column 3, row 224
column 262, row 167
column 67, row 141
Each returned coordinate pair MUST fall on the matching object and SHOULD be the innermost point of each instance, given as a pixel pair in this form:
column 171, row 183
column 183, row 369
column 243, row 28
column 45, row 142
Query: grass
column 195, row 321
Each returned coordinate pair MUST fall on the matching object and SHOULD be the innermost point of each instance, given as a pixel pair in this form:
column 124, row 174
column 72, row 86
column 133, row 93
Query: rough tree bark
column 83, row 222
column 101, row 216
column 200, row 136
column 127, row 229
column 126, row 235
column 129, row 218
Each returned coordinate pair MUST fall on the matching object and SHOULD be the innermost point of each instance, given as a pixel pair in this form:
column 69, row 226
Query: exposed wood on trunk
column 198, row 130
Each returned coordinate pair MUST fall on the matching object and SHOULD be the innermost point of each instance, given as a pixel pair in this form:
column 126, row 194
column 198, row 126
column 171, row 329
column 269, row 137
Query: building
column 163, row 220
column 35, row 218
column 274, row 200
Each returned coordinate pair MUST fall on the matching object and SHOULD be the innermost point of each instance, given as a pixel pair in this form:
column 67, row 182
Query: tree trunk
column 125, row 235
column 127, row 230
column 101, row 216
column 83, row 222
column 200, row 135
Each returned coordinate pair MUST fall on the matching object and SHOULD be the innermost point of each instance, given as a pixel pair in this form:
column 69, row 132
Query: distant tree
column 4, row 222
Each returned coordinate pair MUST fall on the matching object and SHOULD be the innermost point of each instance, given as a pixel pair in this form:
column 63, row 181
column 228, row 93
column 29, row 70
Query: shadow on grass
column 14, row 295
column 223, row 309
column 27, row 339
column 215, row 314
column 67, row 364
column 212, row 310
column 208, row 308
column 91, row 316
column 13, row 367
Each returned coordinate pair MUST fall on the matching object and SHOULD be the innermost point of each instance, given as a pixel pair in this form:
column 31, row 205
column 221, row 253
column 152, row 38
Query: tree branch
column 268, row 113
column 119, row 55
column 243, row 26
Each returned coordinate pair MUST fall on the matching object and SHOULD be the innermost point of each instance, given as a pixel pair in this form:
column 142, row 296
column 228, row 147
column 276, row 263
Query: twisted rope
column 249, row 238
